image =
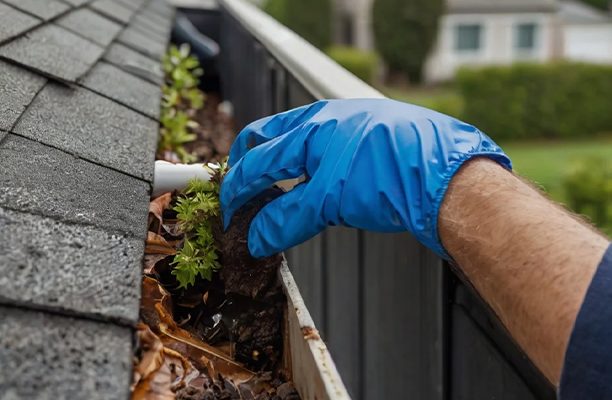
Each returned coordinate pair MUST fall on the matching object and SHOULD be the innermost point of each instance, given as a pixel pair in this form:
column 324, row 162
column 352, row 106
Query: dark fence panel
column 396, row 320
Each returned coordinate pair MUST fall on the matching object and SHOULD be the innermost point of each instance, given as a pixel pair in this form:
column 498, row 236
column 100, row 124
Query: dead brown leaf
column 152, row 375
column 158, row 205
column 156, row 244
column 156, row 311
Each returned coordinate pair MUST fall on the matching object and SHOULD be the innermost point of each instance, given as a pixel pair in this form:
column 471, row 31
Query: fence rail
column 398, row 322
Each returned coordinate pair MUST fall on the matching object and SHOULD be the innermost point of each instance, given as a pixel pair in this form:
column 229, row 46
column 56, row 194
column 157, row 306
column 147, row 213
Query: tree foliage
column 405, row 31
column 310, row 19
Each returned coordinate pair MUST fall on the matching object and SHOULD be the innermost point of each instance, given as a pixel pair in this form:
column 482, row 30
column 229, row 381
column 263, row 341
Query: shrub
column 405, row 31
column 361, row 63
column 449, row 104
column 310, row 19
column 588, row 187
column 528, row 101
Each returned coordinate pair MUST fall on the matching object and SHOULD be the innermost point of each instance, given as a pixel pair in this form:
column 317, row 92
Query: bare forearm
column 528, row 258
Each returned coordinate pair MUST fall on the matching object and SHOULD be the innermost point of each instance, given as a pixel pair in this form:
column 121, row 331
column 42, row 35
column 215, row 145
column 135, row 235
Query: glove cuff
column 431, row 238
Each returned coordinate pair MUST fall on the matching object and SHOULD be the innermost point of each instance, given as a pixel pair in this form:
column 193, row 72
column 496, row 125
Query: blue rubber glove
column 373, row 164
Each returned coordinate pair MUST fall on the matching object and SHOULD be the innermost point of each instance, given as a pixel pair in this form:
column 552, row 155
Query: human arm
column 385, row 166
column 531, row 260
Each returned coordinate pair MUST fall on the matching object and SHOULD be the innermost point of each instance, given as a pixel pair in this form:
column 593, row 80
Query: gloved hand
column 374, row 164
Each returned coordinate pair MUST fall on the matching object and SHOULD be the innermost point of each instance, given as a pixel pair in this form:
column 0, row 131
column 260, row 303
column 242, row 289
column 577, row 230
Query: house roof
column 501, row 6
column 577, row 12
column 79, row 106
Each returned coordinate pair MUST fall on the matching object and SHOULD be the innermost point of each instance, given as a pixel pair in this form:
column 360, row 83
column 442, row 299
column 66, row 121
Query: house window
column 526, row 36
column 467, row 37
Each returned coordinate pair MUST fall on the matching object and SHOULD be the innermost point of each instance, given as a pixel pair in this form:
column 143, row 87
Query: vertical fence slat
column 392, row 307
column 478, row 370
column 305, row 265
column 343, row 328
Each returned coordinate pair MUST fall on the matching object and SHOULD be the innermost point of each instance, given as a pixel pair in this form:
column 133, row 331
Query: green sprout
column 197, row 212
column 181, row 99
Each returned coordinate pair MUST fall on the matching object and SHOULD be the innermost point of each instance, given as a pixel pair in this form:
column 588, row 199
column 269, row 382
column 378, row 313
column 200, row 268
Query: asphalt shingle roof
column 91, row 25
column 79, row 113
column 42, row 9
column 14, row 22
column 135, row 63
column 497, row 6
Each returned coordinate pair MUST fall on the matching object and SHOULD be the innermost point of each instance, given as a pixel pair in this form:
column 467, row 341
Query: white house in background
column 587, row 33
column 472, row 32
column 493, row 32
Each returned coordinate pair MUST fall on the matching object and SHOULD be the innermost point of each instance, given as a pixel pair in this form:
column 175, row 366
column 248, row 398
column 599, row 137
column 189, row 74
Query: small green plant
column 181, row 99
column 198, row 211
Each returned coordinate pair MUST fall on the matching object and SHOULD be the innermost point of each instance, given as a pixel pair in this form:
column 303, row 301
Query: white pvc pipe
column 169, row 177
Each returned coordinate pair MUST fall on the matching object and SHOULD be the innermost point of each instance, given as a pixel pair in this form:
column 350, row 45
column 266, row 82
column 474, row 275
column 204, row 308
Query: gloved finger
column 283, row 157
column 285, row 222
column 265, row 129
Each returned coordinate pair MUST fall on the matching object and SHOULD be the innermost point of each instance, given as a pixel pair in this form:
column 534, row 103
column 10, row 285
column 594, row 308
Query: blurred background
column 535, row 75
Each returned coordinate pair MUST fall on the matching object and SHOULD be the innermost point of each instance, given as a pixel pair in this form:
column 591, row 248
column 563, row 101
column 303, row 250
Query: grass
column 545, row 162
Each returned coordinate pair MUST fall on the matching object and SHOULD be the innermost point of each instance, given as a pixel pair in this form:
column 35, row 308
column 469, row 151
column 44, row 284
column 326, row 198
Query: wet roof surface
column 79, row 103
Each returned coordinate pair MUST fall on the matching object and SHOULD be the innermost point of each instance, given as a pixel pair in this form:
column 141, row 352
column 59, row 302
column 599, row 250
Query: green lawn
column 545, row 162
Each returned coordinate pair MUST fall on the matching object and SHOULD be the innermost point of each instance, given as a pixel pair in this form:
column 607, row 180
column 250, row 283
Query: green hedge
column 310, row 19
column 588, row 187
column 361, row 63
column 534, row 101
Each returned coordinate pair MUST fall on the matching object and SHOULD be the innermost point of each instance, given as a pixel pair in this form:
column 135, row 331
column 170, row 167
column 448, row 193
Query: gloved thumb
column 285, row 222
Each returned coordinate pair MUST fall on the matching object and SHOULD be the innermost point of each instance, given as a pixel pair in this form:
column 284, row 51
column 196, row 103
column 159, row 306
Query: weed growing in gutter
column 198, row 212
column 181, row 100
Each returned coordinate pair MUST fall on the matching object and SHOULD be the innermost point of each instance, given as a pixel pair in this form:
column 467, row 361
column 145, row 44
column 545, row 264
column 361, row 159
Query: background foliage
column 404, row 33
column 311, row 19
column 361, row 63
column 588, row 187
column 559, row 100
column 601, row 4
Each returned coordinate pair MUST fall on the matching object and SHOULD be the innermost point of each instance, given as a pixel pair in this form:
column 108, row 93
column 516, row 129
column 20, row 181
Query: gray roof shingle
column 113, row 9
column 127, row 89
column 577, row 12
column 48, row 263
column 18, row 88
column 486, row 6
column 46, row 9
column 46, row 356
column 135, row 63
column 14, row 22
column 53, row 51
column 153, row 17
column 144, row 24
column 65, row 119
column 76, row 3
column 145, row 44
column 52, row 183
column 77, row 142
column 91, row 25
